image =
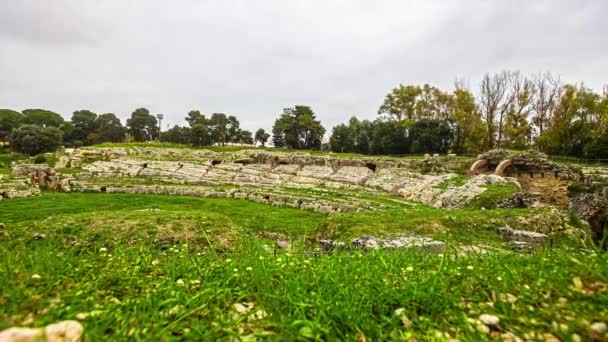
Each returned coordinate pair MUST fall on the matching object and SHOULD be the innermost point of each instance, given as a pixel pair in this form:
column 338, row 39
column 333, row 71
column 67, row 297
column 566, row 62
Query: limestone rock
column 521, row 200
column 417, row 242
column 599, row 327
column 532, row 238
column 283, row 245
column 489, row 320
column 330, row 245
column 593, row 208
column 66, row 331
column 22, row 335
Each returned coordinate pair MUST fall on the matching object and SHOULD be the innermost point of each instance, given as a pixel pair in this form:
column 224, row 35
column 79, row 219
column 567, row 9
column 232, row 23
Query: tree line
column 34, row 131
column 512, row 111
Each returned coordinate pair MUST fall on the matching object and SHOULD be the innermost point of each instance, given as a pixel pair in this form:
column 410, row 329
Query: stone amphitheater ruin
column 322, row 183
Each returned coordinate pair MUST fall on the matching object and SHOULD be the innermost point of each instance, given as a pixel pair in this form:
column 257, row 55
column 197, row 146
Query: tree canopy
column 141, row 126
column 34, row 139
column 297, row 128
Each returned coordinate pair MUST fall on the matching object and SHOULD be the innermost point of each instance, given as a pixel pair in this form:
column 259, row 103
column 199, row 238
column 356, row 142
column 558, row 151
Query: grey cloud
column 251, row 59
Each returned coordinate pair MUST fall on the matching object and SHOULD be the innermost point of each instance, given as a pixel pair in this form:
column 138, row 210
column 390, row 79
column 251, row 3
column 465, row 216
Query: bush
column 34, row 139
column 577, row 188
column 41, row 158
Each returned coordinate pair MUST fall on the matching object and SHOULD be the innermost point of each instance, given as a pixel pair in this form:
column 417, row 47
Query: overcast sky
column 253, row 58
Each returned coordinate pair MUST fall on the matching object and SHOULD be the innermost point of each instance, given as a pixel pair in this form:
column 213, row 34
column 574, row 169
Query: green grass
column 453, row 182
column 494, row 194
column 6, row 159
column 99, row 257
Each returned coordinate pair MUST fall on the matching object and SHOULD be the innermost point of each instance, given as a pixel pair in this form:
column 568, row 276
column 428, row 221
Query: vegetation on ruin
column 494, row 194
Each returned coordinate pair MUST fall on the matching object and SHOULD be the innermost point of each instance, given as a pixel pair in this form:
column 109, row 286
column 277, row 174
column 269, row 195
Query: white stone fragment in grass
column 489, row 320
column 66, row 331
column 21, row 335
column 599, row 327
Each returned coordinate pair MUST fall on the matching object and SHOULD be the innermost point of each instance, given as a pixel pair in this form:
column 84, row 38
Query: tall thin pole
column 160, row 120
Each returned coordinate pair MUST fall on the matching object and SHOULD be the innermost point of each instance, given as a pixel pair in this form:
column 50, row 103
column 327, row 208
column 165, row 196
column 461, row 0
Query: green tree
column 430, row 136
column 341, row 139
column 278, row 137
column 298, row 128
column 200, row 135
column 261, row 136
column 401, row 103
column 41, row 117
column 245, row 137
column 9, row 120
column 388, row 138
column 518, row 132
column 218, row 124
column 110, row 128
column 177, row 135
column 195, row 117
column 34, row 139
column 69, row 138
column 85, row 123
column 570, row 129
column 469, row 130
column 142, row 125
column 233, row 131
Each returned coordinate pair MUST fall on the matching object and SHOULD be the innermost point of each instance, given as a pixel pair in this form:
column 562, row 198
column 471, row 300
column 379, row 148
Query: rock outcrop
column 593, row 208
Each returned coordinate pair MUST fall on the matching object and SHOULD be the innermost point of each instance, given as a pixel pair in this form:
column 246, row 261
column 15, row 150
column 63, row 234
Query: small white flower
column 196, row 282
column 499, row 278
column 249, row 268
column 470, row 268
column 180, row 282
column 235, row 270
column 155, row 262
column 228, row 260
column 36, row 276
column 103, row 250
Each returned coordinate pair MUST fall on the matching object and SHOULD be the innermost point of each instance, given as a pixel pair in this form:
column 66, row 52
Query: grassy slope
column 136, row 289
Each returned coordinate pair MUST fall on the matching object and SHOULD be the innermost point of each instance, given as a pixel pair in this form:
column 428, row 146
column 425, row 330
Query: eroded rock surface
column 593, row 208
column 418, row 242
column 271, row 170
column 514, row 235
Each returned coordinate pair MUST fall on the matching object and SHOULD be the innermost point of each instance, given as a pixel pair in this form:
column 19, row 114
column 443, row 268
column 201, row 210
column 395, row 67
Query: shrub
column 41, row 158
column 34, row 139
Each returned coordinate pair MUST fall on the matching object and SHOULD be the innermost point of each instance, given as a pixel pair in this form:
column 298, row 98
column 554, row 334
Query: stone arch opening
column 103, row 189
column 215, row 162
column 474, row 169
column 500, row 169
column 371, row 166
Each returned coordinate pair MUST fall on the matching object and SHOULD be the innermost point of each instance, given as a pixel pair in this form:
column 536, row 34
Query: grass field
column 98, row 263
